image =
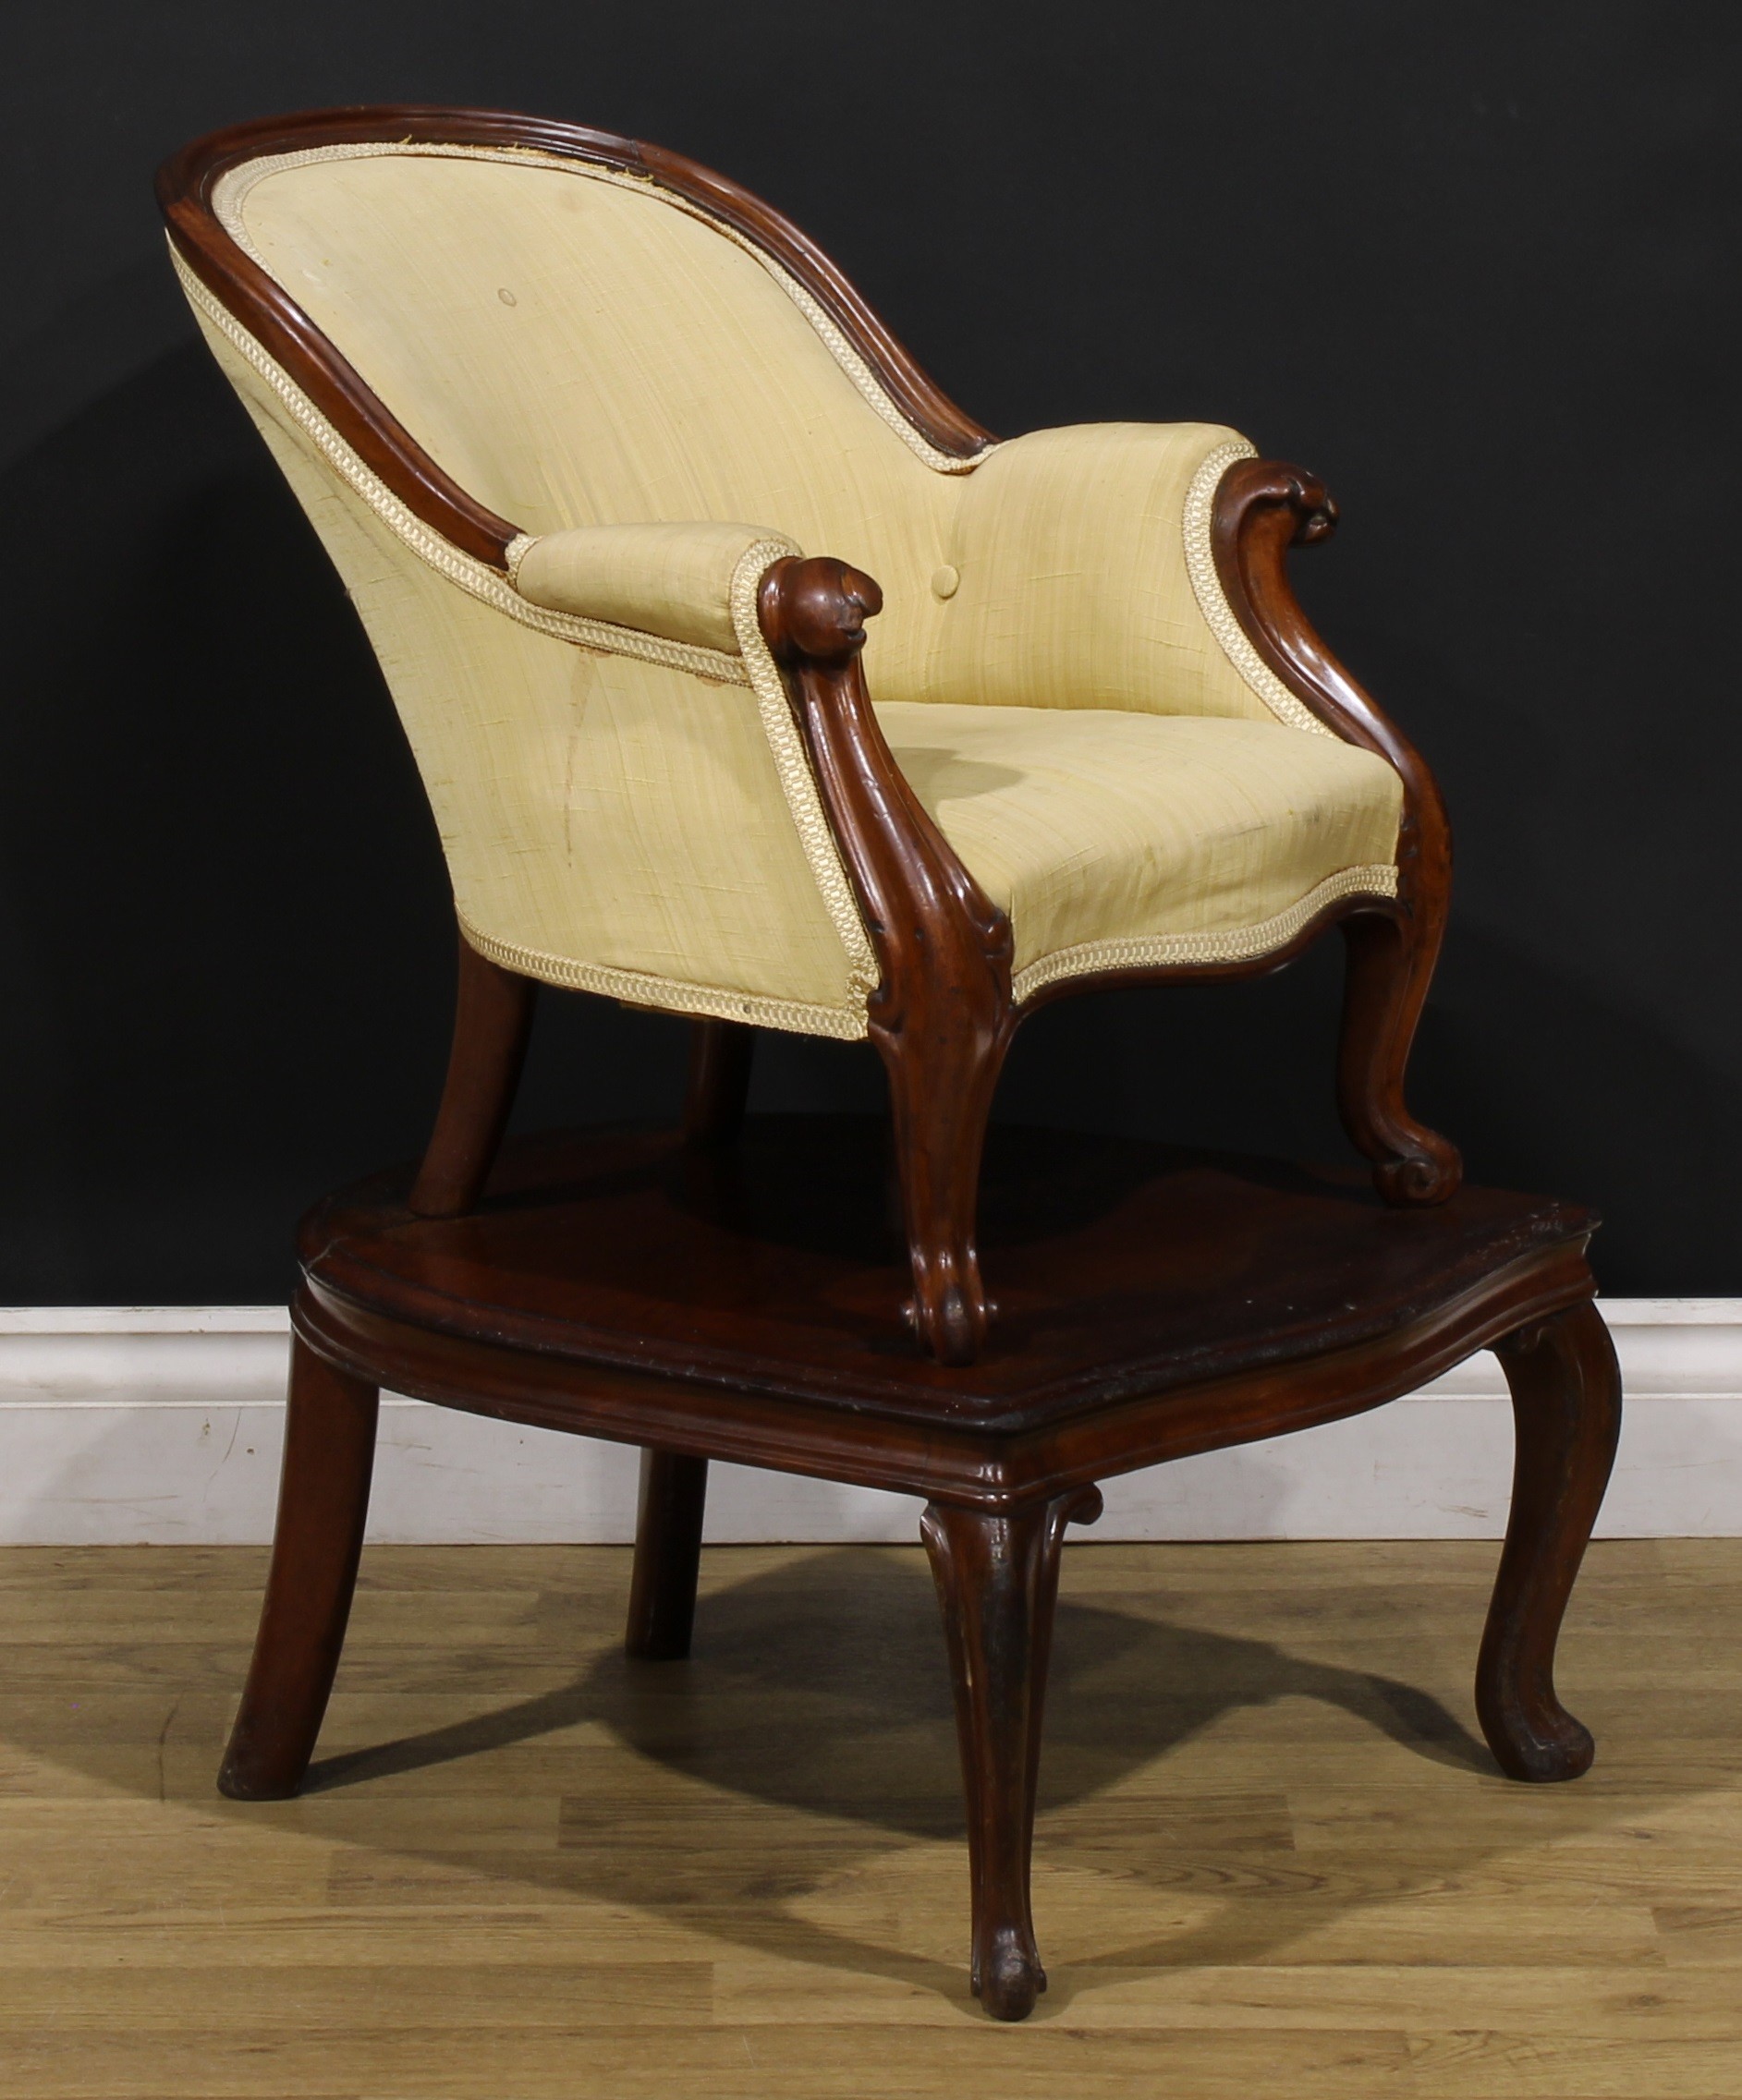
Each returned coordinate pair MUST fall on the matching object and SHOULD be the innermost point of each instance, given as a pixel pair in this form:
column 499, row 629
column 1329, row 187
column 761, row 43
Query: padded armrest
column 673, row 580
column 1076, row 586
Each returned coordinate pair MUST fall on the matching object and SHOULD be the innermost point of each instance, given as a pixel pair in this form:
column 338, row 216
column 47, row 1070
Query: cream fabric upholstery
column 1133, row 838
column 608, row 823
column 615, row 769
column 667, row 579
column 647, row 369
column 1073, row 584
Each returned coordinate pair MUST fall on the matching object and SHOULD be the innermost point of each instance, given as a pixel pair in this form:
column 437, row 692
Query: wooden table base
column 744, row 1303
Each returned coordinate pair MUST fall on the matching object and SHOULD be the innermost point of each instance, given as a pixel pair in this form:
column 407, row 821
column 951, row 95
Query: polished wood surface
column 1126, row 1271
column 1271, row 1853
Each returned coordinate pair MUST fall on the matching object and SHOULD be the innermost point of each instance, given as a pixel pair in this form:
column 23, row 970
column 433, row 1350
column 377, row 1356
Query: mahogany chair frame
column 942, row 1015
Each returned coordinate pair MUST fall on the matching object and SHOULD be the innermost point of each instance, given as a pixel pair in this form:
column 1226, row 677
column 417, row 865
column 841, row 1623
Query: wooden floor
column 1271, row 1859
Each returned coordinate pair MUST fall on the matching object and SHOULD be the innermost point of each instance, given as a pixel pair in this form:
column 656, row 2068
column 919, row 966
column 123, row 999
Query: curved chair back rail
column 188, row 180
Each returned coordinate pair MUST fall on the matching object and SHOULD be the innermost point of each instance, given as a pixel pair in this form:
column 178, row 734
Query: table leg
column 997, row 1579
column 322, row 1502
column 1566, row 1408
column 667, row 1556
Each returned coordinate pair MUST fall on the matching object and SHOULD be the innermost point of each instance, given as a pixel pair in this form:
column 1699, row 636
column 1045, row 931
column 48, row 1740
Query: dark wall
column 1476, row 264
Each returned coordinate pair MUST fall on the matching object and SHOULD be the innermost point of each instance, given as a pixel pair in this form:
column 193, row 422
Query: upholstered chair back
column 575, row 347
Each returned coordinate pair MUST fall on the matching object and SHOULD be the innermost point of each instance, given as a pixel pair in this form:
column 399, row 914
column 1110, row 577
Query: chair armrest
column 1144, row 565
column 1081, row 578
column 941, row 1011
column 670, row 580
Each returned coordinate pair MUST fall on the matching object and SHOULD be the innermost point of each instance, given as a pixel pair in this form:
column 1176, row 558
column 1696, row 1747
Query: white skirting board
column 122, row 1425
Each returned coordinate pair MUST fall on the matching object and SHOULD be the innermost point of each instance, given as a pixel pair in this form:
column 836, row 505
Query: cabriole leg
column 997, row 1580
column 1566, row 1408
column 1390, row 966
column 667, row 1556
column 322, row 1502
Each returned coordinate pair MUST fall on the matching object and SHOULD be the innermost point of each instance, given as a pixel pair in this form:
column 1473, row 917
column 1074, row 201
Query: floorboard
column 1272, row 1853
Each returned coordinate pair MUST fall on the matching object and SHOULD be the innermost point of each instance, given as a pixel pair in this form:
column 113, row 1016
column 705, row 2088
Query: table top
column 776, row 1264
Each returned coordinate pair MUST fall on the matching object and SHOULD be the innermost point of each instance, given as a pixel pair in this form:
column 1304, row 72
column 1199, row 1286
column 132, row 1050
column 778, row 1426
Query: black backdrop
column 1475, row 264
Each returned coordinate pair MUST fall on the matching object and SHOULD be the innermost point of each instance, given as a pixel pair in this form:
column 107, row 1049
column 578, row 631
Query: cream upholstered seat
column 1163, row 838
column 575, row 421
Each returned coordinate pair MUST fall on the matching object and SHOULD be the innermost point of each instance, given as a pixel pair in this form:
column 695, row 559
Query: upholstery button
column 945, row 581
